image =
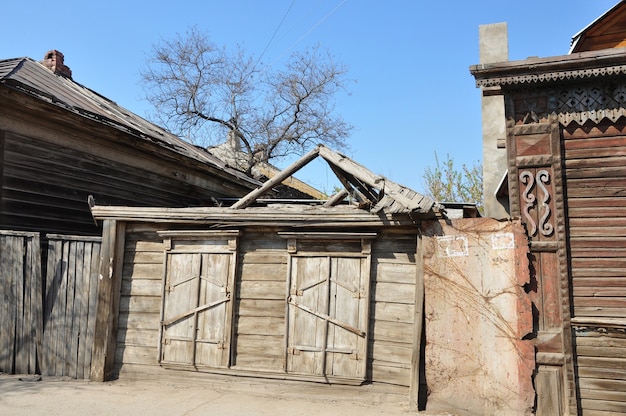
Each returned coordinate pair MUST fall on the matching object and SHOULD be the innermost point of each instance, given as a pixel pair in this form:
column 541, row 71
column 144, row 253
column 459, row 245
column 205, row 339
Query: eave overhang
column 578, row 66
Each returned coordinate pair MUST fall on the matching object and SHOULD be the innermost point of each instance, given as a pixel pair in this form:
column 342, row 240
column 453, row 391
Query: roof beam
column 251, row 197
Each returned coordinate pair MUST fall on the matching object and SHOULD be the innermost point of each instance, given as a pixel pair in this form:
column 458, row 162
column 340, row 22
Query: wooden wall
column 51, row 160
column 260, row 307
column 595, row 171
column 45, row 186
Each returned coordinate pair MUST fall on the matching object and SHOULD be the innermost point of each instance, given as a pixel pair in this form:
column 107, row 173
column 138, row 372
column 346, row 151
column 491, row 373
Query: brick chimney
column 53, row 60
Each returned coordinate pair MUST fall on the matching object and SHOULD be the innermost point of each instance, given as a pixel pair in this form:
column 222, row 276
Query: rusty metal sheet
column 477, row 315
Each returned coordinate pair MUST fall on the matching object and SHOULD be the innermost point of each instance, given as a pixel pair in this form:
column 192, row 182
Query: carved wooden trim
column 535, row 182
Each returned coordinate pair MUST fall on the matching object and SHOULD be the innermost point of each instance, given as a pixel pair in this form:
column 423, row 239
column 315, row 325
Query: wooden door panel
column 181, row 294
column 309, row 288
column 214, row 291
column 346, row 297
column 328, row 316
column 196, row 330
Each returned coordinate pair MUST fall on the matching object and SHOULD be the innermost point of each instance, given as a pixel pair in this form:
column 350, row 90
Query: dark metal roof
column 31, row 77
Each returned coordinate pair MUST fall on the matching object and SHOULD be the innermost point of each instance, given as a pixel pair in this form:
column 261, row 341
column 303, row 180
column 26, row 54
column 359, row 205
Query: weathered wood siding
column 140, row 302
column 45, row 185
column 392, row 310
column 260, row 304
column 595, row 164
column 69, row 305
column 601, row 359
column 596, row 184
column 20, row 302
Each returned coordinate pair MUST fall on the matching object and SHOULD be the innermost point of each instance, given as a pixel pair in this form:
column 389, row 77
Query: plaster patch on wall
column 502, row 241
column 452, row 246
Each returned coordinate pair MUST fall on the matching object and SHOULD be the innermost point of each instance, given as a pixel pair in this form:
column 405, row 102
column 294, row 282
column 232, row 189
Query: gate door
column 196, row 312
column 328, row 310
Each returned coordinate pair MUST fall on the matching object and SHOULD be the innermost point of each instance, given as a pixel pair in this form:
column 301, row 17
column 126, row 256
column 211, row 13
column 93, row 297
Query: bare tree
column 205, row 94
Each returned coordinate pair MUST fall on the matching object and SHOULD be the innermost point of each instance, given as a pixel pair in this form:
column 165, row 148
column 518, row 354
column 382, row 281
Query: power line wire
column 274, row 35
column 309, row 31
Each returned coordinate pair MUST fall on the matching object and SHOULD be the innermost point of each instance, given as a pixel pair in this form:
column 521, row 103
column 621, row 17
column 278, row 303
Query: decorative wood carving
column 530, row 201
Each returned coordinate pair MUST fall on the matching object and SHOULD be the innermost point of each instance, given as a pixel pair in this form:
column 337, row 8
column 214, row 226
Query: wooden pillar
column 418, row 328
column 536, row 192
column 107, row 307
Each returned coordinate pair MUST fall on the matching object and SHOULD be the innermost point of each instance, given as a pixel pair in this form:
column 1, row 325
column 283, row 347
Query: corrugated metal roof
column 31, row 77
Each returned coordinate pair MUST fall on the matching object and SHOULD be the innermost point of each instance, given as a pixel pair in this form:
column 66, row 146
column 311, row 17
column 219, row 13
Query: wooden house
column 328, row 291
column 61, row 142
column 555, row 131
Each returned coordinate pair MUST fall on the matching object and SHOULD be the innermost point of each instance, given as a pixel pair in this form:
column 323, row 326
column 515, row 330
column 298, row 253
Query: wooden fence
column 47, row 325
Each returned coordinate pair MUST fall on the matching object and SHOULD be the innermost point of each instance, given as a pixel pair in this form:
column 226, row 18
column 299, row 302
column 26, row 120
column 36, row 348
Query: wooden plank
column 262, row 307
column 393, row 312
column 140, row 304
column 138, row 337
column 54, row 247
column 393, row 331
column 259, row 351
column 394, row 273
column 8, row 304
column 418, row 310
column 267, row 272
column 20, row 359
column 60, row 315
column 597, row 311
column 139, row 321
column 394, row 292
column 107, row 308
column 383, row 373
column 608, row 373
column 547, row 381
column 91, row 310
column 133, row 354
column 37, row 308
column 143, row 257
column 395, row 353
column 614, row 408
column 259, row 257
column 143, row 271
column 272, row 326
column 278, row 178
column 141, row 287
column 71, row 313
column 253, row 289
column 606, row 395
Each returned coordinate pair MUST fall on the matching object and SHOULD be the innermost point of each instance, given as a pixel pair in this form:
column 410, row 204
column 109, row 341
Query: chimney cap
column 53, row 60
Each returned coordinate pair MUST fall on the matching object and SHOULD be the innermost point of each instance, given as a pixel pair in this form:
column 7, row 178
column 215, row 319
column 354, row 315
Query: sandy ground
column 32, row 395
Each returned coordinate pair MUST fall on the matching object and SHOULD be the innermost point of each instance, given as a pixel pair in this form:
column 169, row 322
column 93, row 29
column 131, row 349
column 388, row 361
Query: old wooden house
column 555, row 156
column 59, row 143
column 329, row 291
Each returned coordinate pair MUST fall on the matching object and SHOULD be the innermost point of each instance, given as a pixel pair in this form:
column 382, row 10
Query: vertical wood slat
column 70, row 281
column 19, row 258
column 414, row 387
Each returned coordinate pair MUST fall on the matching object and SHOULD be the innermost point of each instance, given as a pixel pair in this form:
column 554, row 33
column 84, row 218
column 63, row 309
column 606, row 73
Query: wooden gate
column 20, row 302
column 197, row 290
column 46, row 326
column 70, row 305
column 328, row 307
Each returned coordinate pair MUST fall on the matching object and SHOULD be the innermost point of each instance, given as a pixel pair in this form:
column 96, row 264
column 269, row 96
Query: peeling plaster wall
column 477, row 314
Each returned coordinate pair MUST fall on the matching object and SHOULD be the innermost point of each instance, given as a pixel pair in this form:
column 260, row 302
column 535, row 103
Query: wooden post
column 418, row 328
column 107, row 307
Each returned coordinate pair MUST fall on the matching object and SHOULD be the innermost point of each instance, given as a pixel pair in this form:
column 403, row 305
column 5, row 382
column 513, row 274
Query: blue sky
column 412, row 96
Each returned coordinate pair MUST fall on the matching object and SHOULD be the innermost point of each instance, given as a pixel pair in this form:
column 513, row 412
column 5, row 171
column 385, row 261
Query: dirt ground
column 34, row 395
